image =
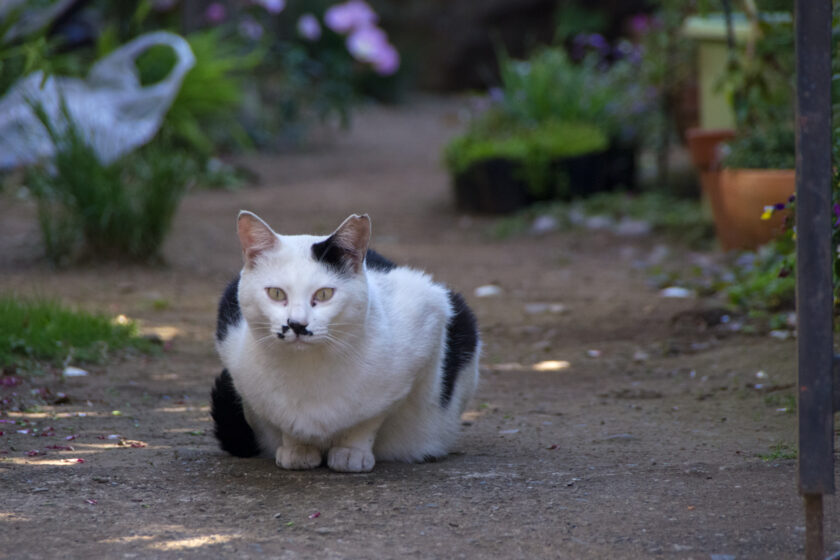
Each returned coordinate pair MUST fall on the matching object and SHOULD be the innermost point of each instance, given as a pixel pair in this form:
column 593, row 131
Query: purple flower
column 640, row 24
column 250, row 29
column 779, row 206
column 215, row 13
column 349, row 16
column 272, row 6
column 837, row 214
column 308, row 27
column 598, row 41
column 497, row 95
column 370, row 44
column 387, row 60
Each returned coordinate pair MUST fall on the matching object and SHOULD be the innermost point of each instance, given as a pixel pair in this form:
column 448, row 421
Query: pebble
column 539, row 308
column 780, row 334
column 71, row 371
column 488, row 290
column 633, row 228
column 677, row 293
column 598, row 222
column 544, row 224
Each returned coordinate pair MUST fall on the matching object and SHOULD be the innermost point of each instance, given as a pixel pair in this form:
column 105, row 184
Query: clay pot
column 738, row 199
column 703, row 145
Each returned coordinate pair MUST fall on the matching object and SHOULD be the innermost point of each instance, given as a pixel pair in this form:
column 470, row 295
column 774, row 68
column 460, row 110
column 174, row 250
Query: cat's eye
column 322, row 295
column 276, row 294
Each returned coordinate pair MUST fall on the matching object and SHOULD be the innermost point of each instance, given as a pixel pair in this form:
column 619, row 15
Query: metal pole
column 814, row 290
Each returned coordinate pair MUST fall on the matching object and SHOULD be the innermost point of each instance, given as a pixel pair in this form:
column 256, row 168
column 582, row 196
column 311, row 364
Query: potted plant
column 552, row 131
column 758, row 164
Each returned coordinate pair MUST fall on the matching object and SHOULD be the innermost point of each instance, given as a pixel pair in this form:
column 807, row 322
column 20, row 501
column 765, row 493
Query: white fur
column 366, row 384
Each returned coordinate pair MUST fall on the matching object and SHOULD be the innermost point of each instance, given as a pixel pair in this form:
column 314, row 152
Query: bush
column 550, row 140
column 119, row 211
column 771, row 147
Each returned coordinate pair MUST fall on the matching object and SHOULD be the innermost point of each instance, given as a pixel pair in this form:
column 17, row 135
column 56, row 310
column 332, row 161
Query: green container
column 712, row 53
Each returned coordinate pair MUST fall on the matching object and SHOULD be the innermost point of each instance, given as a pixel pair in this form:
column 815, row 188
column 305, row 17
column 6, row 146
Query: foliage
column 767, row 283
column 571, row 19
column 761, row 84
column 769, row 147
column 210, row 93
column 550, row 85
column 122, row 210
column 551, row 139
column 36, row 51
column 44, row 330
column 534, row 147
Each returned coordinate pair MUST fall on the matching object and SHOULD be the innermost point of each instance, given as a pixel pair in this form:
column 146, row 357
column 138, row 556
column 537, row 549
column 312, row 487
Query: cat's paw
column 298, row 458
column 350, row 459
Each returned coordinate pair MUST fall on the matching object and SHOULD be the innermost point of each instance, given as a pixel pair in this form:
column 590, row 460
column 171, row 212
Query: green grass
column 779, row 451
column 44, row 330
column 786, row 401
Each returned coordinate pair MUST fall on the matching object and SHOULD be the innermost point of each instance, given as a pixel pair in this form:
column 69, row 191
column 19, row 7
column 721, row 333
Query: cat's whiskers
column 342, row 347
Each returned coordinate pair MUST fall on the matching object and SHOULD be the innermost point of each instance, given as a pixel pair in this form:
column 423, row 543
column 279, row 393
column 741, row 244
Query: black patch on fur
column 430, row 459
column 229, row 313
column 461, row 343
column 331, row 254
column 234, row 433
column 377, row 262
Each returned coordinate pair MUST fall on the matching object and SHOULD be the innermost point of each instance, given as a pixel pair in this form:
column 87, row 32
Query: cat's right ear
column 255, row 236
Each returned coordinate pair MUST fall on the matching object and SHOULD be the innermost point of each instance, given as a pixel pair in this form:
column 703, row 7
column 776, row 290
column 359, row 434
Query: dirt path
column 643, row 441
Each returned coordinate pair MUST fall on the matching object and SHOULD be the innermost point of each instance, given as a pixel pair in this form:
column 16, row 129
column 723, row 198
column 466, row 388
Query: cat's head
column 302, row 291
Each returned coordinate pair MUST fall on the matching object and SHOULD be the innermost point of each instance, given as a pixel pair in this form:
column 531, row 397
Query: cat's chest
column 316, row 402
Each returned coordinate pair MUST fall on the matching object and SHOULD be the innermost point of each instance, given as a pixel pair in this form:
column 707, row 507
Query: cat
column 332, row 352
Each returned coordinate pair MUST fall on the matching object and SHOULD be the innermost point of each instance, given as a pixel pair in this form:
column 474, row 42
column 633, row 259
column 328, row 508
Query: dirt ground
column 602, row 428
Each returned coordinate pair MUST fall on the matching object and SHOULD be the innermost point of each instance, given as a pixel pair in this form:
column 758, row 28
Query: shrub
column 119, row 211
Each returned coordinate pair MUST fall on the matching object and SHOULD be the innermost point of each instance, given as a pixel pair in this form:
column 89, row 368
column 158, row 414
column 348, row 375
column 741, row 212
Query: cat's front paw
column 298, row 458
column 350, row 459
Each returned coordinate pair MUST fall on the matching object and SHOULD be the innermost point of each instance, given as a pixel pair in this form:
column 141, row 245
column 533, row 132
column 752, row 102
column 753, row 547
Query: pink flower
column 215, row 13
column 370, row 44
column 272, row 6
column 308, row 27
column 351, row 15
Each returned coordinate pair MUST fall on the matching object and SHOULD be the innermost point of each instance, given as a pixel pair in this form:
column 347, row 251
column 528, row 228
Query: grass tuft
column 44, row 330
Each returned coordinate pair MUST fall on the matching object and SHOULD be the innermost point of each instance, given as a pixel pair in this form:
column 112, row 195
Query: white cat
column 332, row 350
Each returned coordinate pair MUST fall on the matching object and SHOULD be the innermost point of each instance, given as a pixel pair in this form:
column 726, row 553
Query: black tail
column 234, row 433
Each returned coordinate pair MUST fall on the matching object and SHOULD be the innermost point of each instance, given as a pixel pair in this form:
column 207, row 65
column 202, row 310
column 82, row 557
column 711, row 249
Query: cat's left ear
column 255, row 236
column 347, row 247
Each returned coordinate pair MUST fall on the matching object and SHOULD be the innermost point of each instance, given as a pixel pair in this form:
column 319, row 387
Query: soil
column 603, row 426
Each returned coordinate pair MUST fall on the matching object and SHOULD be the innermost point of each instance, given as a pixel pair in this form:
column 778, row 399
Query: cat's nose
column 299, row 328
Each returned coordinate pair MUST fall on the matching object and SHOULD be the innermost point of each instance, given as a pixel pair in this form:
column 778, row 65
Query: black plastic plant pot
column 499, row 186
column 492, row 186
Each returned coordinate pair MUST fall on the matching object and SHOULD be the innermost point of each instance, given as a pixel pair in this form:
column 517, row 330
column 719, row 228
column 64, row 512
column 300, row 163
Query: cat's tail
column 232, row 430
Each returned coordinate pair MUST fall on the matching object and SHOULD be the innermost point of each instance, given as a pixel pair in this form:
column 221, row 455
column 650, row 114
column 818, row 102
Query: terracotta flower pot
column 739, row 198
column 703, row 144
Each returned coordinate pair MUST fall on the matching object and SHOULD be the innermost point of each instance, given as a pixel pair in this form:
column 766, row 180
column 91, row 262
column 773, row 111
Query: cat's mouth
column 296, row 340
